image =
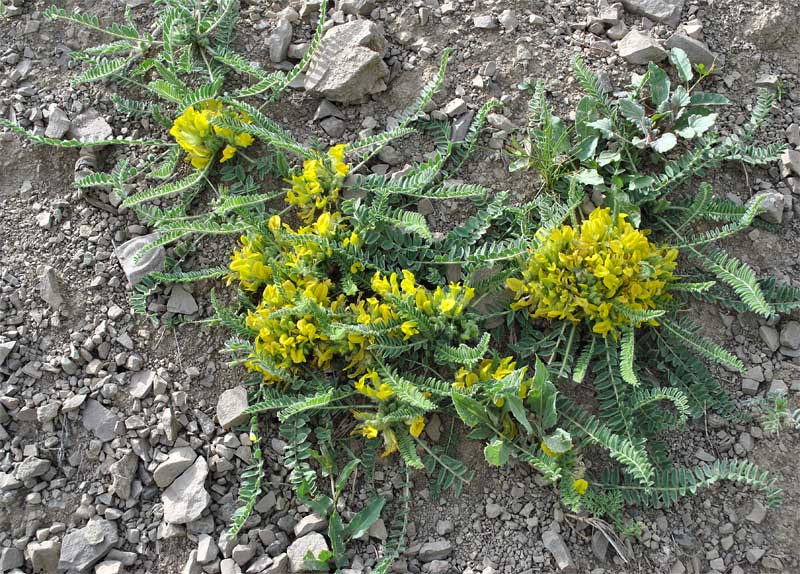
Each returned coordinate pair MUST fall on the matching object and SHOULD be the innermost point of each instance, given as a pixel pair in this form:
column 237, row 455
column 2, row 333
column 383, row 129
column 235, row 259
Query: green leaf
column 344, row 475
column 605, row 126
column 336, row 536
column 683, row 66
column 589, row 177
column 665, row 143
column 469, row 410
column 559, row 442
column 633, row 112
column 517, row 409
column 697, row 126
column 364, row 518
column 659, row 84
column 542, row 397
column 708, row 99
column 496, row 452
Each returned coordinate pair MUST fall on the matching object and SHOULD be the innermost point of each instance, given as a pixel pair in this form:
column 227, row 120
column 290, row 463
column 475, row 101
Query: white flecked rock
column 187, row 498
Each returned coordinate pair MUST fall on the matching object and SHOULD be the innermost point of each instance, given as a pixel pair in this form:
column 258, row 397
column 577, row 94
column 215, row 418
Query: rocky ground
column 120, row 440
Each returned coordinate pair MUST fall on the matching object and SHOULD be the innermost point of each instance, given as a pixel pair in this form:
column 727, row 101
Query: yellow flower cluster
column 371, row 426
column 487, row 370
column 201, row 140
column 317, row 187
column 449, row 302
column 586, row 273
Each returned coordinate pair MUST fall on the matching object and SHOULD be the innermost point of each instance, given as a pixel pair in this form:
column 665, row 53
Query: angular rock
column 484, row 22
column 279, row 41
column 31, row 467
column 181, row 302
column 186, row 498
column 349, row 63
column 555, row 544
column 192, row 566
column 666, row 11
column 790, row 335
column 122, row 473
column 207, row 549
column 177, row 461
column 260, row 564
column 99, row 420
column 757, row 514
column 90, row 126
column 770, row 337
column 697, row 51
column 44, row 556
column 58, row 123
column 231, row 406
column 151, row 261
column 310, row 523
column 280, row 565
column 83, row 548
column 110, row 567
column 639, row 48
column 50, row 288
column 772, row 206
column 377, row 530
column 5, row 350
column 360, row 7
column 10, row 558
column 334, row 127
column 141, row 383
column 313, row 542
column 9, row 482
column 438, row 550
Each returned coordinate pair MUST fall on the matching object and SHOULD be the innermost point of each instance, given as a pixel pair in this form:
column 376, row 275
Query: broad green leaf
column 542, row 397
column 589, row 177
column 633, row 111
column 607, row 156
column 559, row 442
column 496, row 452
column 469, row 410
column 683, row 66
column 659, row 84
column 604, row 125
column 343, row 477
column 518, row 410
column 697, row 126
column 480, row 433
column 639, row 181
column 665, row 143
column 680, row 98
column 336, row 536
column 365, row 518
column 708, row 99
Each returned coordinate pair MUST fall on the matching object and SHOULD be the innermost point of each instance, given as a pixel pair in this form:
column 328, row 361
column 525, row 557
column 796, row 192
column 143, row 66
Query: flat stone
column 313, row 542
column 122, row 473
column 186, row 498
column 177, row 461
column 231, row 406
column 141, row 383
column 493, row 510
column 44, row 555
column 790, row 335
column 697, row 51
column 438, row 550
column 279, row 41
column 310, row 523
column 58, row 123
column 666, row 11
column 770, row 337
column 378, row 531
column 555, row 544
column 753, row 555
column 349, row 63
column 90, row 126
column 484, row 22
column 9, row 482
column 11, row 558
column 5, row 350
column 181, row 302
column 30, row 468
column 149, row 262
column 280, row 565
column 639, row 48
column 73, row 403
column 83, row 548
column 360, row 7
column 334, row 127
column 757, row 514
column 750, row 387
column 101, row 421
column 207, row 549
column 110, row 567
column 50, row 288
column 772, row 206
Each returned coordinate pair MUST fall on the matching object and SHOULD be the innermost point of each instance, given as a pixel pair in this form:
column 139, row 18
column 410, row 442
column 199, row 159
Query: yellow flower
column 227, row 153
column 417, row 425
column 409, row 329
column 580, row 485
column 447, row 304
column 369, row 432
column 547, row 451
column 587, row 274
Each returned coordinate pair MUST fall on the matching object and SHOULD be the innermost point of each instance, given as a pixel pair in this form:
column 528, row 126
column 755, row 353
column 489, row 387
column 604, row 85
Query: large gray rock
column 83, row 548
column 122, row 473
column 349, row 63
column 5, row 350
column 667, row 11
column 231, row 406
column 31, row 467
column 99, row 420
column 58, row 123
column 177, row 461
column 181, row 302
column 153, row 260
column 639, row 48
column 279, row 41
column 187, row 498
column 10, row 558
column 313, row 542
column 90, row 126
column 44, row 556
column 790, row 335
column 697, row 51
column 438, row 550
column 555, row 544
column 141, row 383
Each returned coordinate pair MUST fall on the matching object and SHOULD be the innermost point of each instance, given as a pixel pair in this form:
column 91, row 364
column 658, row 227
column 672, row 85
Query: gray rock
column 149, row 262
column 280, row 565
column 484, row 22
column 697, row 51
column 230, row 407
column 83, row 548
column 493, row 510
column 243, row 553
column 790, row 161
column 101, row 421
column 349, row 63
column 772, row 206
column 757, row 514
column 327, row 110
column 90, row 126
column 279, row 41
column 438, row 550
column 141, row 383
column 750, row 387
column 667, row 11
column 186, row 498
column 73, row 403
column 122, row 473
column 11, row 558
column 455, row 108
column 192, row 566
column 9, row 482
column 44, row 555
column 31, row 467
column 110, row 567
column 508, row 20
column 444, row 527
column 181, row 302
column 377, row 530
column 555, row 544
column 260, row 564
column 313, row 542
column 5, row 350
column 790, row 335
column 178, row 460
column 207, row 549
column 770, row 337
column 639, row 48
column 50, row 288
column 310, row 523
column 58, row 123
column 438, row 567
column 753, row 555
column 461, row 126
column 334, row 127
column 360, row 7
column 793, row 135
